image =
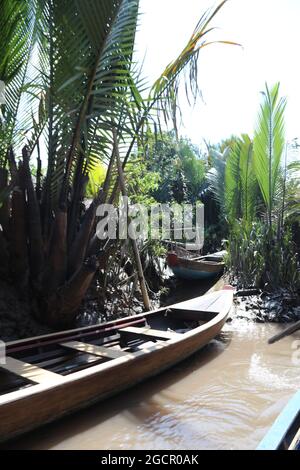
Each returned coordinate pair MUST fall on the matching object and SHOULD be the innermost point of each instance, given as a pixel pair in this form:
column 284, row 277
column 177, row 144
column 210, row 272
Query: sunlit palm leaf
column 269, row 145
column 241, row 188
column 17, row 21
column 216, row 176
column 233, row 189
column 249, row 187
column 165, row 89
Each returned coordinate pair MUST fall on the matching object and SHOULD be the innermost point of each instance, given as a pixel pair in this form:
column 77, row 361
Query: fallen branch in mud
column 288, row 331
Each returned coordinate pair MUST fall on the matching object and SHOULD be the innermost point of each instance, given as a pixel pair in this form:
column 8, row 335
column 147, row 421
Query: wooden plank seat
column 148, row 332
column 30, row 371
column 111, row 353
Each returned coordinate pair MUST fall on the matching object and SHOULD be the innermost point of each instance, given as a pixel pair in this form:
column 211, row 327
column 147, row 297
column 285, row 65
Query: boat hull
column 29, row 408
column 283, row 434
column 192, row 275
column 193, row 268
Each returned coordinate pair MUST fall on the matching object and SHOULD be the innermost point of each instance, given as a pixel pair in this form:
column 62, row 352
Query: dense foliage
column 180, row 166
column 257, row 194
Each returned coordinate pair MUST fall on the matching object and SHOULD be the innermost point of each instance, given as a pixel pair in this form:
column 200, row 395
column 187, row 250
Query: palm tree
column 71, row 87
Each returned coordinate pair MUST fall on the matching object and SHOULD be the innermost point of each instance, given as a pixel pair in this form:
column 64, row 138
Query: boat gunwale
column 282, row 425
column 199, row 265
column 200, row 261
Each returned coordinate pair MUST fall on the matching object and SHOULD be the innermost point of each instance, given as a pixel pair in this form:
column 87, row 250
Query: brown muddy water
column 224, row 397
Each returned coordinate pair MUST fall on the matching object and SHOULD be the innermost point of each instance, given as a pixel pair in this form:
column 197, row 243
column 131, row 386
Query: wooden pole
column 288, row 331
column 133, row 241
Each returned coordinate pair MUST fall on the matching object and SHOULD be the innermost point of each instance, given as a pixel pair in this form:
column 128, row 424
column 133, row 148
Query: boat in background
column 187, row 265
column 285, row 432
column 49, row 376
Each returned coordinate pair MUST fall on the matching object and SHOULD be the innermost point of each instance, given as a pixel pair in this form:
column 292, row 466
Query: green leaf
column 269, row 141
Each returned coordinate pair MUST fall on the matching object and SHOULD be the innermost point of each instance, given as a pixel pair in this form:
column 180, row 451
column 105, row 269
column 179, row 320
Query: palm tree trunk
column 79, row 246
column 56, row 271
column 18, row 236
column 4, row 257
column 62, row 307
column 80, row 182
column 4, row 209
column 36, row 249
column 38, row 187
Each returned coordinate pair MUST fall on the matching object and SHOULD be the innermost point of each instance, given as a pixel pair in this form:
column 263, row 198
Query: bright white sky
column 230, row 77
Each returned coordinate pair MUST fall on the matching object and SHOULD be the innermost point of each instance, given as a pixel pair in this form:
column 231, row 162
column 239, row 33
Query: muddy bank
column 17, row 322
column 279, row 307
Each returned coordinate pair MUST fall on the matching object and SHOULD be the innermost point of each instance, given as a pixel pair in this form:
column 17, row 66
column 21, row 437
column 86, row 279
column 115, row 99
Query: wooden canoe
column 49, row 376
column 285, row 432
column 191, row 268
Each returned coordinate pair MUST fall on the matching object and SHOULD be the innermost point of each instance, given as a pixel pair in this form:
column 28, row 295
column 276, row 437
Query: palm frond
column 92, row 45
column 269, row 145
column 248, row 179
column 293, row 191
column 165, row 90
column 216, row 176
column 232, row 192
column 17, row 20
